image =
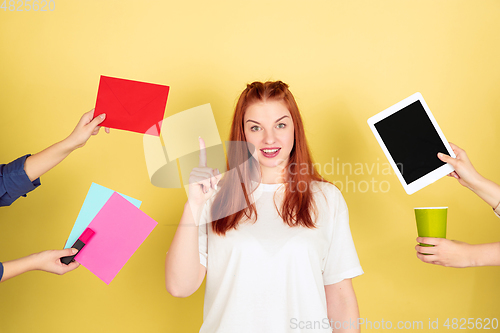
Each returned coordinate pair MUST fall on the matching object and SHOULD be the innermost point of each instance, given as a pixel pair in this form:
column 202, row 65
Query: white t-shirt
column 269, row 277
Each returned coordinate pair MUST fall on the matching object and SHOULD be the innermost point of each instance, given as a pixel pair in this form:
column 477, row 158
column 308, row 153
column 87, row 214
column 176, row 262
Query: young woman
column 453, row 253
column 272, row 235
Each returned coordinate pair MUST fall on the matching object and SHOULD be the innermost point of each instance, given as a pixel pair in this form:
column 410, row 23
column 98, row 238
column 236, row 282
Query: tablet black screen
column 412, row 141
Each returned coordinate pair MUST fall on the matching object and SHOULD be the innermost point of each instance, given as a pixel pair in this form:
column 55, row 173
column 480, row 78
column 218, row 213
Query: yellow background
column 344, row 61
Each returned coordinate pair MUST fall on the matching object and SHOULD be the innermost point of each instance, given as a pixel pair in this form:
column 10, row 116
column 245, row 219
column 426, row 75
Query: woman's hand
column 183, row 271
column 464, row 171
column 50, row 261
column 470, row 178
column 87, row 126
column 445, row 252
column 202, row 180
column 39, row 163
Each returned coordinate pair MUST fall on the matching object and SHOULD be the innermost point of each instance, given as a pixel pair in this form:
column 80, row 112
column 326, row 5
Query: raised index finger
column 203, row 153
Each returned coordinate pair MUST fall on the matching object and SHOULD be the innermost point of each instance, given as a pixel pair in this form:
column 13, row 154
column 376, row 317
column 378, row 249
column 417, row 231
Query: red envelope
column 130, row 105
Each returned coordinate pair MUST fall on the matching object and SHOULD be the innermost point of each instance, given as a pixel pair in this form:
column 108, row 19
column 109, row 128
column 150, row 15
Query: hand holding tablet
column 411, row 139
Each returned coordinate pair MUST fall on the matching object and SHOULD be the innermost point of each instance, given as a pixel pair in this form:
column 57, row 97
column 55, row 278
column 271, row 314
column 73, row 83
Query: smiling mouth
column 270, row 153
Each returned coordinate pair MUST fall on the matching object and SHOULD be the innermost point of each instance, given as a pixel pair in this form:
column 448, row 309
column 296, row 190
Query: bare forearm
column 488, row 191
column 346, row 319
column 469, row 177
column 486, row 254
column 182, row 264
column 342, row 306
column 48, row 261
column 39, row 163
column 16, row 267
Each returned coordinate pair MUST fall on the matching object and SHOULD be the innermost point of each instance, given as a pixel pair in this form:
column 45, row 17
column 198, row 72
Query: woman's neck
column 272, row 175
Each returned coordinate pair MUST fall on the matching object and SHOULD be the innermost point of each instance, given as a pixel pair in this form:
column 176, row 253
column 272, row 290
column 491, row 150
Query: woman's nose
column 269, row 138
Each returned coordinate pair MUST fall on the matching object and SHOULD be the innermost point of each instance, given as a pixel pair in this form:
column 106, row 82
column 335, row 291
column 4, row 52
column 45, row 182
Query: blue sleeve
column 14, row 182
column 1, row 271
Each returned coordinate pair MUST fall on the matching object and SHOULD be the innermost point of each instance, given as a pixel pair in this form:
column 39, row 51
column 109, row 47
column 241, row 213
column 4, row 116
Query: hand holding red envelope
column 130, row 105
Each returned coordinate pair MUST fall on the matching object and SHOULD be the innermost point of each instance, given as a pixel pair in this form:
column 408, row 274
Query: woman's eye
column 254, row 128
column 284, row 125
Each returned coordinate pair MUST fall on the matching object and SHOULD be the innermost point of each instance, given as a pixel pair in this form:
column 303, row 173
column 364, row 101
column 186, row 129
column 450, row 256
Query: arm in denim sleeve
column 14, row 182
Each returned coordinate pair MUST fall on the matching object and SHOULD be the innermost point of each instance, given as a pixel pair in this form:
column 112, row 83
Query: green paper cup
column 431, row 222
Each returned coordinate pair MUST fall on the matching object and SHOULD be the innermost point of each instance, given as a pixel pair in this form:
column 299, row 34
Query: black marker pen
column 79, row 244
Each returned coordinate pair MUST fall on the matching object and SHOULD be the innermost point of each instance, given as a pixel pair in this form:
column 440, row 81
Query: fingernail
column 74, row 251
column 218, row 172
column 102, row 116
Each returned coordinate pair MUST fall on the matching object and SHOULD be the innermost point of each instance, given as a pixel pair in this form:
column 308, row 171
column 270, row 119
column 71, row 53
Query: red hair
column 231, row 203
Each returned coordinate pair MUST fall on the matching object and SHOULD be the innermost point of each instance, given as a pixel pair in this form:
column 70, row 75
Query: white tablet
column 411, row 138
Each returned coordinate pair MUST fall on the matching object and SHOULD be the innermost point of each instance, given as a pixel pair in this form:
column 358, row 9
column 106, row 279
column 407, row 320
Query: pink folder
column 120, row 228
